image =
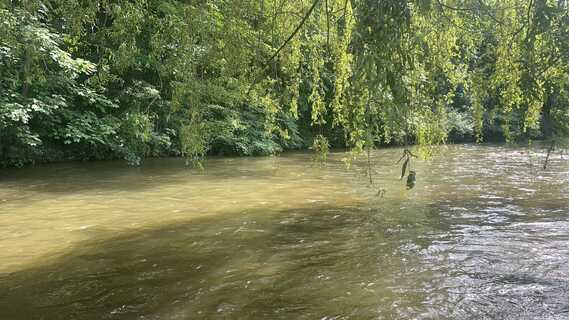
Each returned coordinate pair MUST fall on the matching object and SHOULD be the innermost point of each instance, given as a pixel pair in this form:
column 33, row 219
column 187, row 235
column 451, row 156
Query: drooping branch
column 295, row 31
column 327, row 26
column 549, row 151
column 306, row 16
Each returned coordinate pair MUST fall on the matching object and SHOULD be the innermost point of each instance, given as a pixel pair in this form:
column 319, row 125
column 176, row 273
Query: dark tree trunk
column 547, row 125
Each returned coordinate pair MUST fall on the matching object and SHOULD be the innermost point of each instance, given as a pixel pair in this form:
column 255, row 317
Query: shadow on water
column 289, row 266
column 307, row 263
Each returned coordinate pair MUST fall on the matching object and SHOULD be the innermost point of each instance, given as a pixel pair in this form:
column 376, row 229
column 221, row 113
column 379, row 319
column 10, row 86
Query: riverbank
column 22, row 163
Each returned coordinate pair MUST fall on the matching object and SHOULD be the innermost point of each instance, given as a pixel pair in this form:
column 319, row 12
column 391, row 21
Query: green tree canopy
column 132, row 79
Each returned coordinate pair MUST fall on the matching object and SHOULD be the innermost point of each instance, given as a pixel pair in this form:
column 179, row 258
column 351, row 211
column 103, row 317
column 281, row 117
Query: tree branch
column 286, row 41
column 295, row 31
column 549, row 151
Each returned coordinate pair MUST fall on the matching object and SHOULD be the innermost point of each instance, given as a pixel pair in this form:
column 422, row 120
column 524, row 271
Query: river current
column 483, row 235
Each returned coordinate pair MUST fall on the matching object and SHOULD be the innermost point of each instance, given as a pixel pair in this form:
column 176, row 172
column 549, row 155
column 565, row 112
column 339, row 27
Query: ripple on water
column 483, row 235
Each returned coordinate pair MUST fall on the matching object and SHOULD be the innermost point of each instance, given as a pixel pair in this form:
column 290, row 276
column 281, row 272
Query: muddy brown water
column 483, row 235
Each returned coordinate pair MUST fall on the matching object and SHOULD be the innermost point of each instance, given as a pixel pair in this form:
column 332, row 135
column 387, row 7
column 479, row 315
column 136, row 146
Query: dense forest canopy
column 102, row 79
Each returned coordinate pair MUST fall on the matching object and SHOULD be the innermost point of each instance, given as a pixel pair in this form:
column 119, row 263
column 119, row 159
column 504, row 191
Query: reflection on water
column 484, row 234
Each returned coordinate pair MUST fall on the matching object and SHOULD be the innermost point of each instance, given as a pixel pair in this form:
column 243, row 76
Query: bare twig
column 549, row 151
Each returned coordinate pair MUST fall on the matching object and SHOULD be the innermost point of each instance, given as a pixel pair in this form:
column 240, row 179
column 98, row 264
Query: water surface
column 483, row 235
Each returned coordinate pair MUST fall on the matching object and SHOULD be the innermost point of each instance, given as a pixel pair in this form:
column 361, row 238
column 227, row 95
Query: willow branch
column 308, row 13
column 327, row 26
column 549, row 151
column 295, row 31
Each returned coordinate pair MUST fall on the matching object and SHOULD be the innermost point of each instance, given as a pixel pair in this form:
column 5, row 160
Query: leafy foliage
column 141, row 78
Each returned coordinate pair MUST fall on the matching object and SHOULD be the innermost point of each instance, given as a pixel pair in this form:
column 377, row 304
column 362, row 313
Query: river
column 483, row 235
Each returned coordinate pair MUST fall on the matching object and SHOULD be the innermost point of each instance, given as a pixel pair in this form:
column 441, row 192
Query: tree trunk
column 547, row 125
